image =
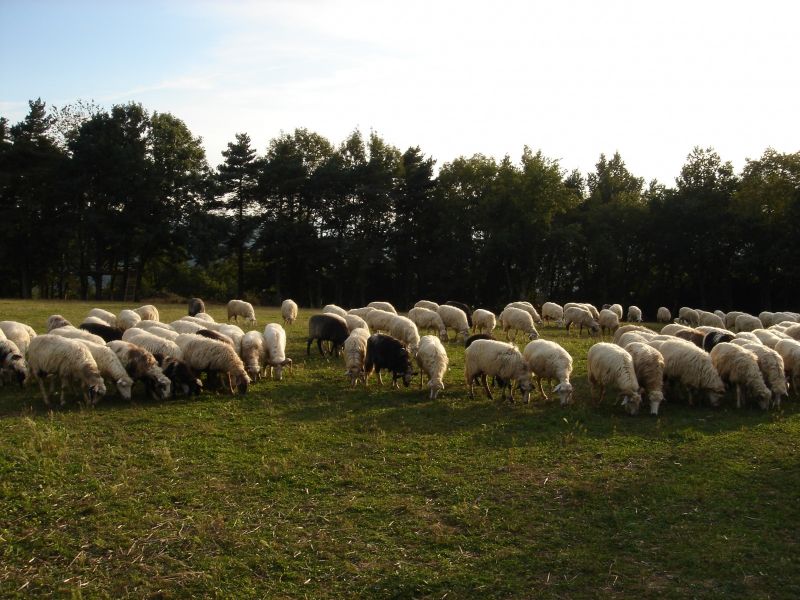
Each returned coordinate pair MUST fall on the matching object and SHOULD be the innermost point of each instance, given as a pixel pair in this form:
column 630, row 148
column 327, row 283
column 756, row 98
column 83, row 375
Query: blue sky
column 573, row 79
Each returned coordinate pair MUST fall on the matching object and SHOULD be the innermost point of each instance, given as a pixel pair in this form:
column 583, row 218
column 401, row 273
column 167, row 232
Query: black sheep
column 465, row 307
column 712, row 338
column 196, row 305
column 182, row 377
column 327, row 328
column 108, row 333
column 478, row 336
column 386, row 352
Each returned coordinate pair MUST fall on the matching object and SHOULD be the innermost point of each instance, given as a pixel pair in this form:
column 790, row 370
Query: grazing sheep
column 432, row 360
column 517, row 319
column 253, row 354
column 110, row 367
column 501, row 360
column 163, row 332
column 730, row 319
column 182, row 326
column 745, row 322
column 609, row 365
column 327, row 328
column 786, row 317
column 553, row 312
column 210, row 356
column 148, row 312
column 107, row 317
column 355, row 322
column 793, row 331
column 196, row 305
column 626, row 328
column 127, row 319
column 333, row 309
column 141, row 365
column 663, row 315
column 548, row 360
column 240, row 308
column 634, row 314
column 66, row 360
column 158, row 346
column 688, row 316
column 181, row 377
column 483, row 319
column 361, row 312
column 464, row 307
column 289, row 311
column 385, row 352
column 275, row 345
column 56, row 321
column 427, row 304
column 772, row 370
column 204, row 316
column 478, row 336
column 608, row 320
column 739, row 366
column 197, row 321
column 454, row 318
column 355, row 351
column 617, row 310
column 528, row 308
column 92, row 320
column 12, row 362
column 690, row 366
column 77, row 334
column 234, row 332
column 19, row 333
column 673, row 328
column 709, row 319
column 216, row 335
column 630, row 337
column 106, row 332
column 767, row 318
column 426, row 319
column 790, row 353
column 385, row 306
column 590, row 307
column 769, row 337
column 581, row 316
column 649, row 367
column 691, row 335
column 404, row 329
column 379, row 320
column 712, row 338
column 748, row 335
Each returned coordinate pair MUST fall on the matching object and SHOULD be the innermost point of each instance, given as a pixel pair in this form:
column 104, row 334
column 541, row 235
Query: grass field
column 307, row 488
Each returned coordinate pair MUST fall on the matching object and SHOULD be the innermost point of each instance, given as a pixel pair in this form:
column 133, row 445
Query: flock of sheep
column 701, row 354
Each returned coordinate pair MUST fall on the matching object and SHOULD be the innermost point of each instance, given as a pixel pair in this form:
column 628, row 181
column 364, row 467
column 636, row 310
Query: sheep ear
column 625, row 401
column 557, row 388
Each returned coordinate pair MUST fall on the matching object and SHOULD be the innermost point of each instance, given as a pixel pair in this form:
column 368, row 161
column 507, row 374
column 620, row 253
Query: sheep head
column 564, row 391
column 631, row 402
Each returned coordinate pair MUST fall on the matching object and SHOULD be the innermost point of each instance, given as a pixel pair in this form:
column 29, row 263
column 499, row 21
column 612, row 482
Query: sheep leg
column 486, row 386
column 378, row 373
column 319, row 346
column 541, row 390
column 738, row 396
column 63, row 390
column 44, row 392
column 308, row 347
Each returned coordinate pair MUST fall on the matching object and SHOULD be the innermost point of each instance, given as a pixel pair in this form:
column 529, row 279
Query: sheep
column 720, row 314
column 518, row 320
column 688, row 316
column 745, row 322
column 196, row 305
column 148, row 312
column 204, row 316
column 793, row 331
column 336, row 310
column 56, row 321
column 634, row 314
column 197, row 320
column 648, row 364
column 77, row 334
column 454, row 318
column 462, row 306
column 608, row 320
column 12, row 360
column 110, row 367
column 159, row 347
column 385, row 352
column 141, row 365
column 691, row 366
column 275, row 346
column 548, row 360
column 361, row 312
column 789, row 351
column 710, row 319
column 127, row 319
column 432, row 360
column 182, row 326
column 19, row 333
column 107, row 317
column 216, row 335
column 730, row 319
column 673, row 328
column 66, row 360
column 210, row 356
column 483, row 319
column 149, row 324
column 404, row 329
column 427, row 304
column 767, row 318
column 769, row 338
column 712, row 338
column 691, row 335
column 181, row 377
column 552, row 312
column 608, row 364
column 240, row 308
column 253, row 354
column 590, row 307
column 426, row 319
column 739, row 366
column 501, row 360
column 163, row 332
column 478, row 336
column 631, row 336
column 748, row 335
column 379, row 320
column 627, row 328
column 528, row 308
column 617, row 310
column 786, row 317
column 234, row 332
column 663, row 315
column 329, row 328
column 581, row 316
column 289, row 311
column 355, row 351
column 355, row 322
column 772, row 370
column 382, row 306
column 104, row 331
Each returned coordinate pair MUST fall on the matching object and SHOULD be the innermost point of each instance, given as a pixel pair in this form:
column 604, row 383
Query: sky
column 574, row 79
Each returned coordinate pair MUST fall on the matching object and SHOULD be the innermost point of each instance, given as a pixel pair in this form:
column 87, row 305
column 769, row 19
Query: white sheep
column 720, row 314
column 432, row 360
column 772, row 370
column 77, row 334
column 19, row 333
column 428, row 319
column 361, row 312
column 12, row 361
column 127, row 319
column 548, row 360
column 336, row 310
column 688, row 316
column 148, row 324
column 483, row 321
column 793, row 331
column 156, row 345
column 182, row 326
column 254, row 354
column 66, row 360
column 608, row 320
column 634, row 314
column 786, row 317
column 632, row 336
column 609, row 365
column 663, row 315
column 454, row 318
column 498, row 359
column 739, row 367
column 749, row 336
column 767, row 318
column 745, row 322
column 240, row 308
column 140, row 364
column 378, row 320
column 204, row 316
column 165, row 332
column 355, row 350
column 517, row 319
column 148, row 312
column 289, row 311
column 275, row 345
column 382, row 306
column 730, row 319
column 626, row 328
column 710, row 319
column 110, row 367
column 553, row 312
column 690, row 366
column 212, row 356
column 790, row 353
column 649, row 367
column 427, row 304
column 55, row 321
column 673, row 328
column 404, row 329
column 769, row 337
column 107, row 317
column 617, row 310
column 355, row 322
column 590, row 307
column 528, row 308
column 581, row 316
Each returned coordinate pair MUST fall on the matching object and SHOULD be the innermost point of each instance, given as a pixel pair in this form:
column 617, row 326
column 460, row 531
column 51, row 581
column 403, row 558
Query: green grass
column 307, row 488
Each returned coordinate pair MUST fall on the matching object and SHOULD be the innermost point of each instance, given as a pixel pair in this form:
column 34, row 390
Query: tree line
column 122, row 204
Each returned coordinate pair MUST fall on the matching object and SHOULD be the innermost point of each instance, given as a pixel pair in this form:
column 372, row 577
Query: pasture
column 308, row 488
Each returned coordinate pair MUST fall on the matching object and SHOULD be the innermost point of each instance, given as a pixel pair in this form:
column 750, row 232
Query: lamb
column 739, row 366
column 159, row 347
column 141, row 365
column 56, row 321
column 210, row 356
column 608, row 320
column 747, row 322
column 275, row 346
column 462, row 306
column 404, row 329
column 581, row 316
column 11, row 360
column 617, row 310
column 688, row 316
column 553, row 312
column 426, row 319
column 772, row 370
column 710, row 319
column 110, row 367
column 790, row 353
column 102, row 330
column 528, row 308
column 501, row 360
column 240, row 308
column 289, row 311
column 355, row 351
column 148, row 312
column 127, row 319
column 712, row 338
column 634, row 314
column 454, row 318
column 355, row 322
column 107, row 317
column 19, row 333
column 691, row 366
column 196, row 305
column 385, row 352
column 432, row 360
column 548, row 360
column 663, row 315
column 336, row 310
column 254, row 354
column 648, row 364
column 327, row 328
column 379, row 320
column 427, row 304
column 609, row 365
column 730, row 319
column 518, row 320
column 382, row 306
column 77, row 334
column 483, row 319
column 67, row 360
